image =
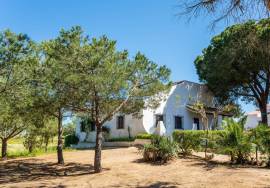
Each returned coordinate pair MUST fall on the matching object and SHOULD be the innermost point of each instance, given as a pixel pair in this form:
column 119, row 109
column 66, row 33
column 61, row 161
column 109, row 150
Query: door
column 197, row 122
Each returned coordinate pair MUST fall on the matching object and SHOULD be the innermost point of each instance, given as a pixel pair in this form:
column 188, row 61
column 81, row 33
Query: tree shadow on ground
column 212, row 164
column 103, row 148
column 16, row 171
column 157, row 184
column 157, row 163
column 194, row 160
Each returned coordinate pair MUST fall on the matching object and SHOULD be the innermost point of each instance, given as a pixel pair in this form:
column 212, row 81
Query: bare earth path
column 123, row 168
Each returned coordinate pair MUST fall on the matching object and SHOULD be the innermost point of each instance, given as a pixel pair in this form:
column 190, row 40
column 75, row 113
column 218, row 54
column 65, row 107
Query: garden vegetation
column 42, row 83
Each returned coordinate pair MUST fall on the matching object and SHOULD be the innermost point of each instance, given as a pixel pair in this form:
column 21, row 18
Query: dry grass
column 124, row 168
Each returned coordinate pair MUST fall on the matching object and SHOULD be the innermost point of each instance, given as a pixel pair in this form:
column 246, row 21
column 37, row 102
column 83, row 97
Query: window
column 178, row 124
column 120, row 122
column 197, row 122
column 159, row 117
column 92, row 126
column 87, row 125
column 82, row 126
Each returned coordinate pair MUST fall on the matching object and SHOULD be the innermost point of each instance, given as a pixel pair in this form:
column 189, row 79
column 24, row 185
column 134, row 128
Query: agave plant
column 161, row 149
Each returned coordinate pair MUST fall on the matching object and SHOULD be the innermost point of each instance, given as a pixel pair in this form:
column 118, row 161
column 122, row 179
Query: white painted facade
column 254, row 118
column 181, row 94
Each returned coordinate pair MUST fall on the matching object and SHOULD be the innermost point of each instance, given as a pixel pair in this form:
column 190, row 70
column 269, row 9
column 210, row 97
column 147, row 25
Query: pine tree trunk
column 30, row 149
column 97, row 160
column 206, row 145
column 4, row 149
column 46, row 146
column 263, row 109
column 256, row 155
column 60, row 156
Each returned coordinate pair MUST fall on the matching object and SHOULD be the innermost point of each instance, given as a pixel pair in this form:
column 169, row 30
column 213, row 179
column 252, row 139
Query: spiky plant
column 234, row 141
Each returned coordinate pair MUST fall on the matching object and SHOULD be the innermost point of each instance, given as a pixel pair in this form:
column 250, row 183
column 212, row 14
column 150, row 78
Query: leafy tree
column 87, row 125
column 69, row 129
column 112, row 83
column 236, row 10
column 18, row 59
column 55, row 92
column 236, row 64
column 40, row 133
column 48, row 132
column 200, row 108
column 31, row 138
column 11, row 124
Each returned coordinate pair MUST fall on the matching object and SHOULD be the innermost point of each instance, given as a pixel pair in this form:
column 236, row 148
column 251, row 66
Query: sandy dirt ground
column 123, row 167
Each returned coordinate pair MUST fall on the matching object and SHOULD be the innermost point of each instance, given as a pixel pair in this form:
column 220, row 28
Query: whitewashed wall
column 135, row 124
column 253, row 120
column 175, row 105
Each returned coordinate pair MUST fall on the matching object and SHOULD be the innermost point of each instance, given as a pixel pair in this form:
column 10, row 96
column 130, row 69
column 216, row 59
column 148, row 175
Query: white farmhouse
column 175, row 112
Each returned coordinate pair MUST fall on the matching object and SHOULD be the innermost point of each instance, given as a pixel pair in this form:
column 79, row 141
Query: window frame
column 123, row 122
column 181, row 120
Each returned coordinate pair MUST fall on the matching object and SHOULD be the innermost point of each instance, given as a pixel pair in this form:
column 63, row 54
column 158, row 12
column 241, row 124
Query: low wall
column 141, row 142
column 117, row 144
column 137, row 142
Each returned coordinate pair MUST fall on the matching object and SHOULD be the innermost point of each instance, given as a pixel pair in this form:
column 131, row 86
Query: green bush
column 144, row 136
column 106, row 129
column 189, row 140
column 69, row 129
column 121, row 139
column 71, row 139
column 260, row 137
column 161, row 149
column 235, row 142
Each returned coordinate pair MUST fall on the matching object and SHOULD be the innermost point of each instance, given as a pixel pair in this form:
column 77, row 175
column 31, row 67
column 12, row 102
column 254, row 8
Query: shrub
column 69, row 129
column 144, row 136
column 106, row 129
column 121, row 139
column 71, row 139
column 31, row 141
column 161, row 149
column 36, row 137
column 235, row 142
column 189, row 140
column 260, row 137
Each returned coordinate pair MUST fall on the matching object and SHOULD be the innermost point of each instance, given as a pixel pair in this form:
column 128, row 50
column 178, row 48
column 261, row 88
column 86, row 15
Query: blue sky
column 150, row 27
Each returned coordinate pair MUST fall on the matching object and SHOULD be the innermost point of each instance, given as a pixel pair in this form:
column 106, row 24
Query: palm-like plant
column 260, row 137
column 234, row 141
